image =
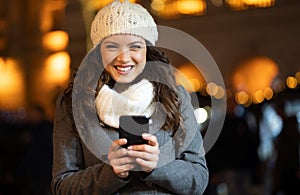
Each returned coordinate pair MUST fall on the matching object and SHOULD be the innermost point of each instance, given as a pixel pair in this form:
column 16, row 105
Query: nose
column 124, row 56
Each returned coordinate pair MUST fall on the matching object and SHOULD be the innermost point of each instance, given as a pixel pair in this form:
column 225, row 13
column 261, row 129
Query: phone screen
column 132, row 128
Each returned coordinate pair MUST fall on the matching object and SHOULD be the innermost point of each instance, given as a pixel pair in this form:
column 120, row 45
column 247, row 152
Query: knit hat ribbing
column 123, row 18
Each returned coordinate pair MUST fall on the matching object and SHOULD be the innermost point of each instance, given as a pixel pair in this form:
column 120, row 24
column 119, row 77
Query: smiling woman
column 126, row 75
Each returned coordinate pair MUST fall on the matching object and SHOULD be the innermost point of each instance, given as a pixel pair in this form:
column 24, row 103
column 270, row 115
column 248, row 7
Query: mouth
column 123, row 69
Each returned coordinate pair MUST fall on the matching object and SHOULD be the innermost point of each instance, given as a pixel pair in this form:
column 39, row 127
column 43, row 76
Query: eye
column 110, row 46
column 135, row 47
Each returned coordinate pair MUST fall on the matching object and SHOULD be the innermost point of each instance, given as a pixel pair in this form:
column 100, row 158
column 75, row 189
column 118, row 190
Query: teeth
column 123, row 69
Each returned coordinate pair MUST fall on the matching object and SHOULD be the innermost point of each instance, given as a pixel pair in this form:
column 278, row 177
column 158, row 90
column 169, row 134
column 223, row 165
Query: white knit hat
column 123, row 18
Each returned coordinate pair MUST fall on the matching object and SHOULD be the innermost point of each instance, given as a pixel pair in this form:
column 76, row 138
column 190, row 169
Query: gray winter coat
column 76, row 170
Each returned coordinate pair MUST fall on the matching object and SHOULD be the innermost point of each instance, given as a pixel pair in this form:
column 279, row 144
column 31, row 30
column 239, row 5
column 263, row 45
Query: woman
column 125, row 74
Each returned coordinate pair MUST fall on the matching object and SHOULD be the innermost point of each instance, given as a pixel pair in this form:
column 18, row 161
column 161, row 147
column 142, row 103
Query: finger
column 122, row 161
column 117, row 143
column 143, row 155
column 138, row 150
column 123, row 174
column 152, row 140
column 121, row 169
column 139, row 154
column 117, row 154
column 124, row 168
column 146, row 166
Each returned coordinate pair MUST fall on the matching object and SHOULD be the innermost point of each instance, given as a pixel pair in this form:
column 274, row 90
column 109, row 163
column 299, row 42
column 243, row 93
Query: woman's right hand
column 118, row 159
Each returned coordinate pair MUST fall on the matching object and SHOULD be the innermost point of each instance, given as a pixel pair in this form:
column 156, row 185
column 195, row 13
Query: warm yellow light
column 56, row 40
column 255, row 74
column 244, row 4
column 236, row 4
column 259, row 96
column 190, row 77
column 212, row 89
column 190, row 6
column 169, row 11
column 158, row 5
column 242, row 98
column 291, row 82
column 268, row 93
column 259, row 3
column 250, row 2
column 11, row 84
column 96, row 4
column 172, row 9
column 182, row 79
column 57, row 69
column 196, row 84
column 220, row 93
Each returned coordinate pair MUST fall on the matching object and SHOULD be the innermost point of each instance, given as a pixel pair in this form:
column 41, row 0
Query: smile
column 123, row 69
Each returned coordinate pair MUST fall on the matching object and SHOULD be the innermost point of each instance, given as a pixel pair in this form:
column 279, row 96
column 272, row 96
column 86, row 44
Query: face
column 123, row 56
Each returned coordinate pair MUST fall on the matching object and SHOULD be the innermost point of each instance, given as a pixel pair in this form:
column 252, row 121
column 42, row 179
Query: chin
column 125, row 80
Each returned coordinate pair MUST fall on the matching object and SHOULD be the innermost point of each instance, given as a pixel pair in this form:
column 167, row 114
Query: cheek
column 141, row 57
column 106, row 59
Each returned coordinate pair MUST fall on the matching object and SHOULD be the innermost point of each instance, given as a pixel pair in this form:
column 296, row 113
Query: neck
column 120, row 87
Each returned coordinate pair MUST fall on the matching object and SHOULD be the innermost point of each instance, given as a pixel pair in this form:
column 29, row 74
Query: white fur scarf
column 136, row 100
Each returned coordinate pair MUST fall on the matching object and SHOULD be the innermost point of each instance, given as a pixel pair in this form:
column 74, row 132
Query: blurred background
column 254, row 42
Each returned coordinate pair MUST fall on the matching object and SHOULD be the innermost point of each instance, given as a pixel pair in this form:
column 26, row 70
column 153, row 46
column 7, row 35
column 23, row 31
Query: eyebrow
column 135, row 42
column 110, row 42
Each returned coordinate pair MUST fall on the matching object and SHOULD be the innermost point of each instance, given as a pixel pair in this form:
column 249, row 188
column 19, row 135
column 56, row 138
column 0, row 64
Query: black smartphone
column 132, row 128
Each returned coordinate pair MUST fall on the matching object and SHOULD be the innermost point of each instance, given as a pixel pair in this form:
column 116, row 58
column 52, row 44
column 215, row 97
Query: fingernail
column 145, row 134
column 130, row 148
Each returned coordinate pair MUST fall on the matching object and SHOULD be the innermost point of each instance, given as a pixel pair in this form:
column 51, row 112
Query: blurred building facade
column 41, row 41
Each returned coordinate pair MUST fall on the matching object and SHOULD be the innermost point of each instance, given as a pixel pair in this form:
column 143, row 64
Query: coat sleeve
column 187, row 173
column 69, row 174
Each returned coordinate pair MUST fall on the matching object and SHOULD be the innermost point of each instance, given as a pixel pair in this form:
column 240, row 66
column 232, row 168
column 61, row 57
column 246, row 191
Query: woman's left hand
column 146, row 154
